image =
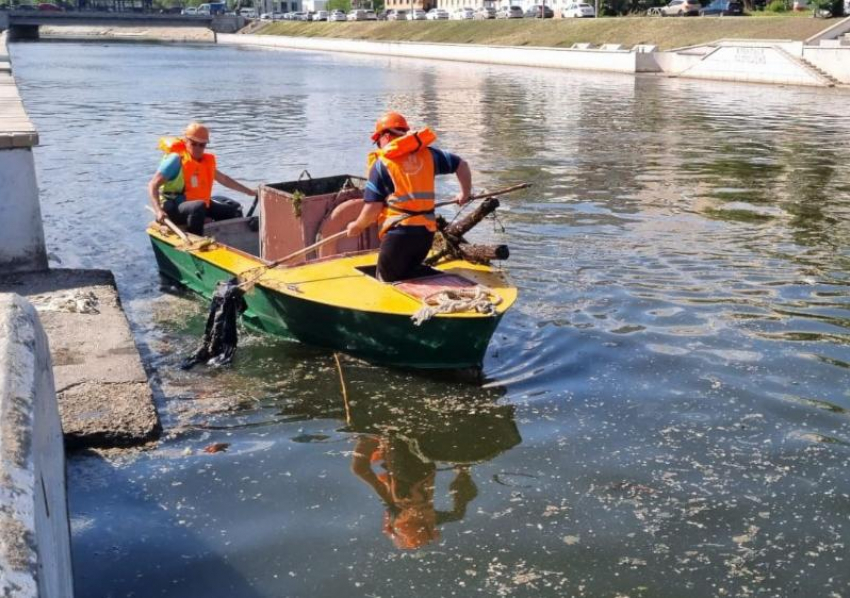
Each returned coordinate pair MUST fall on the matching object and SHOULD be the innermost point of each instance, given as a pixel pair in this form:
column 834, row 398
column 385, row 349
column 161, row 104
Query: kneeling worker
column 400, row 194
column 181, row 189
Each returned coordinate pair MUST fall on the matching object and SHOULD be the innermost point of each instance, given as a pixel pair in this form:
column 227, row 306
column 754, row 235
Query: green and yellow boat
column 331, row 298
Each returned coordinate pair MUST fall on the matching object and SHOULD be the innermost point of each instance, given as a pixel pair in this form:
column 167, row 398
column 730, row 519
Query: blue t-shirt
column 380, row 185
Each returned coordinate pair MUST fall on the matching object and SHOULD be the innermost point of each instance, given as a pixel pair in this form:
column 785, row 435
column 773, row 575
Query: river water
column 663, row 413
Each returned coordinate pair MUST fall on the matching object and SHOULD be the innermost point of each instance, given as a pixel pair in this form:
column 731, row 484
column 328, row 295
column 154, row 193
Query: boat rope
column 451, row 301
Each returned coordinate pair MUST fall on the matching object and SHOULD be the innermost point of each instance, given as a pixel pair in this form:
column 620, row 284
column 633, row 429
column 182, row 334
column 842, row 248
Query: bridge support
column 23, row 32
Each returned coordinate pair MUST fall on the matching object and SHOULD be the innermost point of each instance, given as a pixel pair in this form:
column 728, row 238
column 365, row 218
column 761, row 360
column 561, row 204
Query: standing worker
column 181, row 189
column 400, row 194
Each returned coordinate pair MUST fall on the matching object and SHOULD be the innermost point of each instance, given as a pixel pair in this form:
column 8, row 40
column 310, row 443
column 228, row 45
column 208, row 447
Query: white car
column 357, row 15
column 266, row 16
column 578, row 10
column 510, row 12
column 321, row 15
column 437, row 14
column 337, row 16
column 462, row 14
column 417, row 14
column 397, row 15
column 190, row 10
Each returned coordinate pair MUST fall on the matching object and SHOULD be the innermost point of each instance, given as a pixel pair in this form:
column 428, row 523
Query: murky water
column 665, row 411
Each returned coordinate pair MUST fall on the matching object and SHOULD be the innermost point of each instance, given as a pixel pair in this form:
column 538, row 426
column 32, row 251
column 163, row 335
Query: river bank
column 131, row 34
column 665, row 34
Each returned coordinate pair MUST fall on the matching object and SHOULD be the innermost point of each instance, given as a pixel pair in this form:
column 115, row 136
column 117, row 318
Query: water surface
column 664, row 412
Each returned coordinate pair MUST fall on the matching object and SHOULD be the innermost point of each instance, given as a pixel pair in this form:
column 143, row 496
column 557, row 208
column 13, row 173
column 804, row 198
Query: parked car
column 437, row 14
column 681, row 8
column 337, row 16
column 723, row 8
column 321, row 15
column 191, row 10
column 539, row 11
column 371, row 15
column 417, row 14
column 358, row 14
column 248, row 13
column 463, row 14
column 509, row 12
column 485, row 12
column 396, row 15
column 578, row 10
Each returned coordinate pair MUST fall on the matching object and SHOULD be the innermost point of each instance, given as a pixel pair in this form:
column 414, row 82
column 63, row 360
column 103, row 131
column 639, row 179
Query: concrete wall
column 619, row 61
column 833, row 31
column 227, row 23
column 21, row 232
column 835, row 61
column 35, row 553
column 743, row 61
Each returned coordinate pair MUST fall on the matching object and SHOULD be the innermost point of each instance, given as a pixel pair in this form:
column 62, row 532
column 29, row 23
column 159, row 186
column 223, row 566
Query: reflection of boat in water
column 331, row 298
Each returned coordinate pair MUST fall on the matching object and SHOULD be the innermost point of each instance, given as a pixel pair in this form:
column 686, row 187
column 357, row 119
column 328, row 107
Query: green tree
column 343, row 5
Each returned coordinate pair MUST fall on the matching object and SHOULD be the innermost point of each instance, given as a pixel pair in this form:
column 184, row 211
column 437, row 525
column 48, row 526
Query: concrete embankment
column 35, row 554
column 21, row 232
column 822, row 60
column 131, row 34
column 104, row 397
column 84, row 348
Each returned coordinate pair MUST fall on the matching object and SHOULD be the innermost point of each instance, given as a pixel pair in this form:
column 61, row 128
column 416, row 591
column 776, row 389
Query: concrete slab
column 104, row 397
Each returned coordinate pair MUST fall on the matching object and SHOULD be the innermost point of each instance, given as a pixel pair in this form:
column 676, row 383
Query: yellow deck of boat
column 336, row 281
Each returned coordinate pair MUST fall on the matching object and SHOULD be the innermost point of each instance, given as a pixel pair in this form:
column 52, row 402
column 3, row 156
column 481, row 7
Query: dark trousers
column 402, row 254
column 193, row 213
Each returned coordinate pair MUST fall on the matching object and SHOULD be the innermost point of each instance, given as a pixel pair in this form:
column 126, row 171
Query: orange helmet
column 390, row 120
column 197, row 132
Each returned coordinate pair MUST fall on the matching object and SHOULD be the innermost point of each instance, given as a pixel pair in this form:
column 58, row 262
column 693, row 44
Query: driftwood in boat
column 449, row 243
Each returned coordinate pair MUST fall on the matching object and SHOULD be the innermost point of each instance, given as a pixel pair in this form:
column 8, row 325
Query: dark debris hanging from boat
column 220, row 336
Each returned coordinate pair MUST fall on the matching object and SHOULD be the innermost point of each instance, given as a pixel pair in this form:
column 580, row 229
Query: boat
column 330, row 297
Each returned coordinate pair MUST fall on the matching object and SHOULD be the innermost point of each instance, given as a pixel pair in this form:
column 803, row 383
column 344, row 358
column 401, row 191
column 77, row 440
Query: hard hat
column 197, row 132
column 390, row 120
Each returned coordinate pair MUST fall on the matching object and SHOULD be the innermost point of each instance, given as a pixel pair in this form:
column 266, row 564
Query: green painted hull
column 439, row 343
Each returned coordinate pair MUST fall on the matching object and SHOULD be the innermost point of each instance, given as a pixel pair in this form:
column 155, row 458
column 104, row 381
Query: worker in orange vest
column 181, row 189
column 400, row 194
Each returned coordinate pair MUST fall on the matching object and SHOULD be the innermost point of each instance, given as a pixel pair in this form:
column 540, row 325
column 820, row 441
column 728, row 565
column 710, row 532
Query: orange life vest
column 198, row 177
column 411, row 168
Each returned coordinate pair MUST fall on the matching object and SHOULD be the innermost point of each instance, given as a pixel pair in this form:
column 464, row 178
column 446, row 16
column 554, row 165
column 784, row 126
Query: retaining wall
column 752, row 63
column 35, row 554
column 21, row 232
column 618, row 61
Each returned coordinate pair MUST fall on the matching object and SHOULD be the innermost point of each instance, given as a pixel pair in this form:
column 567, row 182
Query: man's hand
column 461, row 198
column 160, row 216
column 353, row 230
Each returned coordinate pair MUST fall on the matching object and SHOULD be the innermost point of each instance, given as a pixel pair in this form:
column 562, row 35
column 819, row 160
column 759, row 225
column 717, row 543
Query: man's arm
column 368, row 215
column 228, row 182
column 464, row 177
column 156, row 182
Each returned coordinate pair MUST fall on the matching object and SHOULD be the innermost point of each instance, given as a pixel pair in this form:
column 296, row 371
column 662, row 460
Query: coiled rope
column 449, row 301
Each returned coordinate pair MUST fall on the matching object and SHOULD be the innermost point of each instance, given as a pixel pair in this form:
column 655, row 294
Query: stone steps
column 820, row 72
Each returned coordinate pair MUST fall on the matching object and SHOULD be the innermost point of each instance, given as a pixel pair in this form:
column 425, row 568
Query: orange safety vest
column 198, row 177
column 411, row 167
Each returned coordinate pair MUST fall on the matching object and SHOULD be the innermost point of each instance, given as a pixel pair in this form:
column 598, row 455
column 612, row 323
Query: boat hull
column 383, row 338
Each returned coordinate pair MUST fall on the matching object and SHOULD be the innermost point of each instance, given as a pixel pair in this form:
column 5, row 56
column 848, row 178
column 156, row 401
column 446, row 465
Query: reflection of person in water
column 406, row 485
